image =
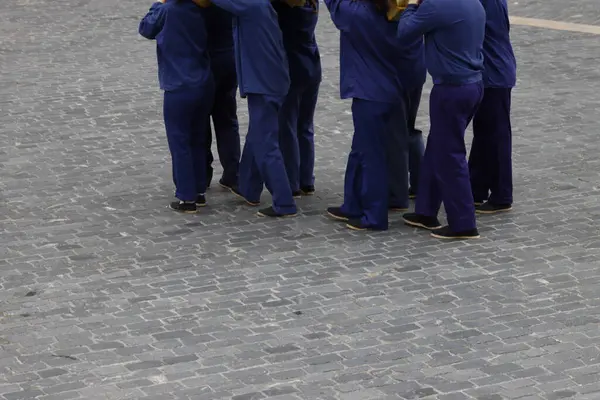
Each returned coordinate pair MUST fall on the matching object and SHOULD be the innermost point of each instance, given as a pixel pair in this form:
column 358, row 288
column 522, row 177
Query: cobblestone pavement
column 106, row 294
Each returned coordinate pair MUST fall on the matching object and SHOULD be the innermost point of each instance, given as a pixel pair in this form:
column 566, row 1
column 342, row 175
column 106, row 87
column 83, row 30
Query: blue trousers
column 186, row 111
column 445, row 174
column 397, row 152
column 366, row 182
column 224, row 119
column 296, row 134
column 262, row 162
column 416, row 145
column 490, row 160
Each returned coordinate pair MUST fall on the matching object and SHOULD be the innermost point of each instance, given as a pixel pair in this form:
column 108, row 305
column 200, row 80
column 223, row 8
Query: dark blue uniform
column 262, row 71
column 296, row 127
column 219, row 26
column 369, row 75
column 184, row 74
column 454, row 32
column 490, row 160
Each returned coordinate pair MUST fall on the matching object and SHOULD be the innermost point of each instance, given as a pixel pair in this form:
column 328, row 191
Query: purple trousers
column 445, row 174
column 490, row 160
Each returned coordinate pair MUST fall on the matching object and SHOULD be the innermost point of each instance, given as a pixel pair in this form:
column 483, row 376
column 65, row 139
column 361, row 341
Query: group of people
column 267, row 48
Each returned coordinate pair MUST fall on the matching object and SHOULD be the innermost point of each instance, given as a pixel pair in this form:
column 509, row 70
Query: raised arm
column 341, row 13
column 153, row 22
column 418, row 20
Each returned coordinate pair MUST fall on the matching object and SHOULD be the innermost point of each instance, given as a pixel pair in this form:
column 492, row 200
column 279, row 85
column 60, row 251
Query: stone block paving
column 106, row 294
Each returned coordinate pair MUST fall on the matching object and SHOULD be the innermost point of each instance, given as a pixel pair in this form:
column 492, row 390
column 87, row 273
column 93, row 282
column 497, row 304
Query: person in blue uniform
column 296, row 122
column 219, row 26
column 454, row 31
column 490, row 160
column 369, row 76
column 412, row 73
column 185, row 76
column 263, row 78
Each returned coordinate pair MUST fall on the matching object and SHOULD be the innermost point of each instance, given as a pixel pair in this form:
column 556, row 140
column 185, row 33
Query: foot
column 490, row 208
column 307, row 190
column 201, row 201
column 270, row 212
column 336, row 213
column 297, row 194
column 186, row 207
column 236, row 191
column 421, row 221
column 356, row 224
column 446, row 233
column 226, row 185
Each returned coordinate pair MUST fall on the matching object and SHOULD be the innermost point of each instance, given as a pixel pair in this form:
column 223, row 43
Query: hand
column 202, row 3
column 415, row 2
column 295, row 3
column 162, row 1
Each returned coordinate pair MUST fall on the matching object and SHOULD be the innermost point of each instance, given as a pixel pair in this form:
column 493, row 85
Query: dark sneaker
column 421, row 221
column 225, row 185
column 201, row 201
column 307, row 190
column 184, row 207
column 489, row 208
column 446, row 233
column 270, row 212
column 236, row 191
column 412, row 194
column 356, row 224
column 336, row 213
column 297, row 194
column 397, row 209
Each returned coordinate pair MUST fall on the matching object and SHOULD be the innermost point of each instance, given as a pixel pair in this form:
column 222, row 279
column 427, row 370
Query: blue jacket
column 181, row 44
column 454, row 31
column 298, row 28
column 499, row 63
column 261, row 62
column 373, row 64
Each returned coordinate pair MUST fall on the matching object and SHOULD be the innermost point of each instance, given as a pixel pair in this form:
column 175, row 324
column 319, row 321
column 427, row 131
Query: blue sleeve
column 236, row 7
column 153, row 22
column 416, row 21
column 341, row 13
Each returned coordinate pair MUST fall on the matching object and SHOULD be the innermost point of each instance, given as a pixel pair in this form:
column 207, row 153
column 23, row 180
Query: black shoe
column 184, row 207
column 307, row 190
column 270, row 212
column 336, row 213
column 226, row 185
column 236, row 191
column 397, row 209
column 201, row 201
column 421, row 221
column 446, row 233
column 412, row 194
column 356, row 224
column 297, row 194
column 489, row 208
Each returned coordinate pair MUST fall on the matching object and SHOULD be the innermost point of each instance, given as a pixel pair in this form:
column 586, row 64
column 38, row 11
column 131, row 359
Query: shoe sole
column 243, row 198
column 183, row 211
column 412, row 197
column 275, row 216
column 308, row 193
column 454, row 237
column 355, row 228
column 418, row 225
column 201, row 204
column 225, row 186
column 494, row 211
column 297, row 196
column 337, row 217
column 398, row 209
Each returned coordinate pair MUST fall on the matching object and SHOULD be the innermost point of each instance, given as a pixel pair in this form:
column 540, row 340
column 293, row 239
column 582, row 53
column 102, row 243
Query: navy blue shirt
column 219, row 27
column 371, row 57
column 298, row 28
column 454, row 31
column 261, row 62
column 181, row 44
column 499, row 63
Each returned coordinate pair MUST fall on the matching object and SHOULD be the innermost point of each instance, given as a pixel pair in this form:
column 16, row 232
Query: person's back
column 499, row 59
column 454, row 32
column 181, row 39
